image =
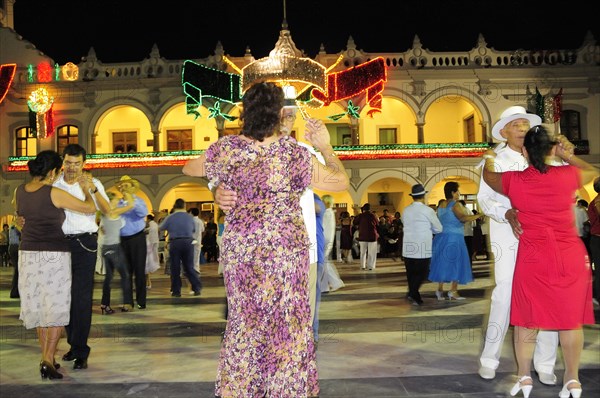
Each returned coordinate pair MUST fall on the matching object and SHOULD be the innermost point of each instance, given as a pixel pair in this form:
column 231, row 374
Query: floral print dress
column 268, row 348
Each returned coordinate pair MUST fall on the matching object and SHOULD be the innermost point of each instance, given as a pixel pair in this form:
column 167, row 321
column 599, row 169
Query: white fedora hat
column 510, row 114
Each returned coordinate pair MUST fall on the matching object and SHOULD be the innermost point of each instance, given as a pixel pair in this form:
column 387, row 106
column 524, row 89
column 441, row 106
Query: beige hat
column 510, row 114
column 126, row 179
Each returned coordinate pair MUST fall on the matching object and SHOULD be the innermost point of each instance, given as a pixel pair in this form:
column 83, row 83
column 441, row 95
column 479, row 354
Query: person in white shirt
column 81, row 230
column 199, row 231
column 330, row 278
column 152, row 242
column 510, row 131
column 420, row 223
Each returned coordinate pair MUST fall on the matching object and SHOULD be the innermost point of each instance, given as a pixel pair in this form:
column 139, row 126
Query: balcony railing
column 345, row 153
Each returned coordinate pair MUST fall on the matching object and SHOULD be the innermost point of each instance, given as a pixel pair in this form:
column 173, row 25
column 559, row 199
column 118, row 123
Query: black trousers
column 83, row 263
column 595, row 250
column 417, row 270
column 13, row 252
column 134, row 249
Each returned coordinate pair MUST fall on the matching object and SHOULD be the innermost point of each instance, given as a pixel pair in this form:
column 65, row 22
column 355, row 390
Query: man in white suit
column 510, row 131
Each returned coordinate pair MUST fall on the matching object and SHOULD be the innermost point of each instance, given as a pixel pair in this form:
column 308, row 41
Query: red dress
column 552, row 284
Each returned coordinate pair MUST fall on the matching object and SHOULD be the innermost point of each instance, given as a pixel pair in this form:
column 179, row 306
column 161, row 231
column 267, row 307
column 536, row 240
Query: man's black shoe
column 142, row 307
column 80, row 363
column 175, row 294
column 197, row 293
column 68, row 356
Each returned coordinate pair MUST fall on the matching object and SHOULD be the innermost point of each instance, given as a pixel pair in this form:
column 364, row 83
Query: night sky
column 125, row 30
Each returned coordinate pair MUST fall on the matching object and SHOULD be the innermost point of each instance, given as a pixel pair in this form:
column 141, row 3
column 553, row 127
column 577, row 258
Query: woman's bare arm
column 195, row 167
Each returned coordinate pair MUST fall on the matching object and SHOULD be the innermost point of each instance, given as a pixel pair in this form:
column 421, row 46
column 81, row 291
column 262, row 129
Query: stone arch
column 360, row 188
column 403, row 96
column 469, row 95
column 102, row 109
column 433, row 179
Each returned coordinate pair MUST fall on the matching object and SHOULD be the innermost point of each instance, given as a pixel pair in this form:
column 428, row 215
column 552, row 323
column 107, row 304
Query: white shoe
column 574, row 392
column 525, row 387
column 487, row 373
column 454, row 296
column 548, row 379
column 440, row 295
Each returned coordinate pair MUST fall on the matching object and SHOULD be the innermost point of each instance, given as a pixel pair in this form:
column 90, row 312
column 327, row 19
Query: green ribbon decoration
column 216, row 111
column 351, row 112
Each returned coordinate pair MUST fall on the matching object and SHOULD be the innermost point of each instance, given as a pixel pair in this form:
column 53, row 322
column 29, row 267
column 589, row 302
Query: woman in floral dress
column 268, row 347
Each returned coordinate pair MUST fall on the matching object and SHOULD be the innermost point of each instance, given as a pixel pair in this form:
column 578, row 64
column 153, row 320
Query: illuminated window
column 179, row 140
column 26, row 142
column 387, row 136
column 125, row 142
column 66, row 135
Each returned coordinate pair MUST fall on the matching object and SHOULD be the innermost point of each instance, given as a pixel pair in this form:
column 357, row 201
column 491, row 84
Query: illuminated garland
column 7, row 74
column 201, row 81
column 44, row 72
column 70, row 71
column 351, row 112
column 40, row 105
column 359, row 152
column 367, row 77
column 548, row 107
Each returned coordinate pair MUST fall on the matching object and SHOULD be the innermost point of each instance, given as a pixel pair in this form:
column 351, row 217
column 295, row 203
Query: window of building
column 341, row 134
column 26, row 142
column 125, row 142
column 387, row 135
column 66, row 135
column 569, row 125
column 179, row 140
column 469, row 123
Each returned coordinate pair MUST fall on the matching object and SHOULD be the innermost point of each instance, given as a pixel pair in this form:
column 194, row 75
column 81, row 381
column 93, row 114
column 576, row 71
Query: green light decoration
column 215, row 111
column 57, row 72
column 201, row 81
column 30, row 73
column 351, row 112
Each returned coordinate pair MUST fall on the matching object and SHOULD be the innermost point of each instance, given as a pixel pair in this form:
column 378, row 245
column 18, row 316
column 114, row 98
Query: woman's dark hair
column 43, row 163
column 449, row 188
column 538, row 144
column 262, row 105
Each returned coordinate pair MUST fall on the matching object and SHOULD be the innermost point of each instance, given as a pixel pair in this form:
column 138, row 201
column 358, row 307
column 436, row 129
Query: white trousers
column 312, row 289
column 504, row 247
column 368, row 254
column 197, row 249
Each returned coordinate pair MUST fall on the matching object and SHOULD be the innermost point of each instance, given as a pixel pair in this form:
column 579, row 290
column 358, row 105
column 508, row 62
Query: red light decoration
column 368, row 77
column 7, row 74
column 44, row 72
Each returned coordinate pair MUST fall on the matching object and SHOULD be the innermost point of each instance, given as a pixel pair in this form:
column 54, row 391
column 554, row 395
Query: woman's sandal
column 566, row 392
column 106, row 310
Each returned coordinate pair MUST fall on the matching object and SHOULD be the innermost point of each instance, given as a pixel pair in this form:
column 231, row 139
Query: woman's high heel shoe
column 454, row 296
column 566, row 392
column 126, row 308
column 440, row 295
column 106, row 310
column 48, row 371
column 519, row 386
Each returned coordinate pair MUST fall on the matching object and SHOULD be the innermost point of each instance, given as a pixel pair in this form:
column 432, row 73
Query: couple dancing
column 545, row 286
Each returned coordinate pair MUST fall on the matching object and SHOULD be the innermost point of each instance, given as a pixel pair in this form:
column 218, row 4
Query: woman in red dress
column 552, row 282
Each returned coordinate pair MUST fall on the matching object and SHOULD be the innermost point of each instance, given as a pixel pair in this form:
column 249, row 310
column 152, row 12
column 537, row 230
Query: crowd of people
column 277, row 243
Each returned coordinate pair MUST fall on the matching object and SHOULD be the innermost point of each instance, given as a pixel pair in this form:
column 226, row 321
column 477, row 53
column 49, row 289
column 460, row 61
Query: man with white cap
column 510, row 130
